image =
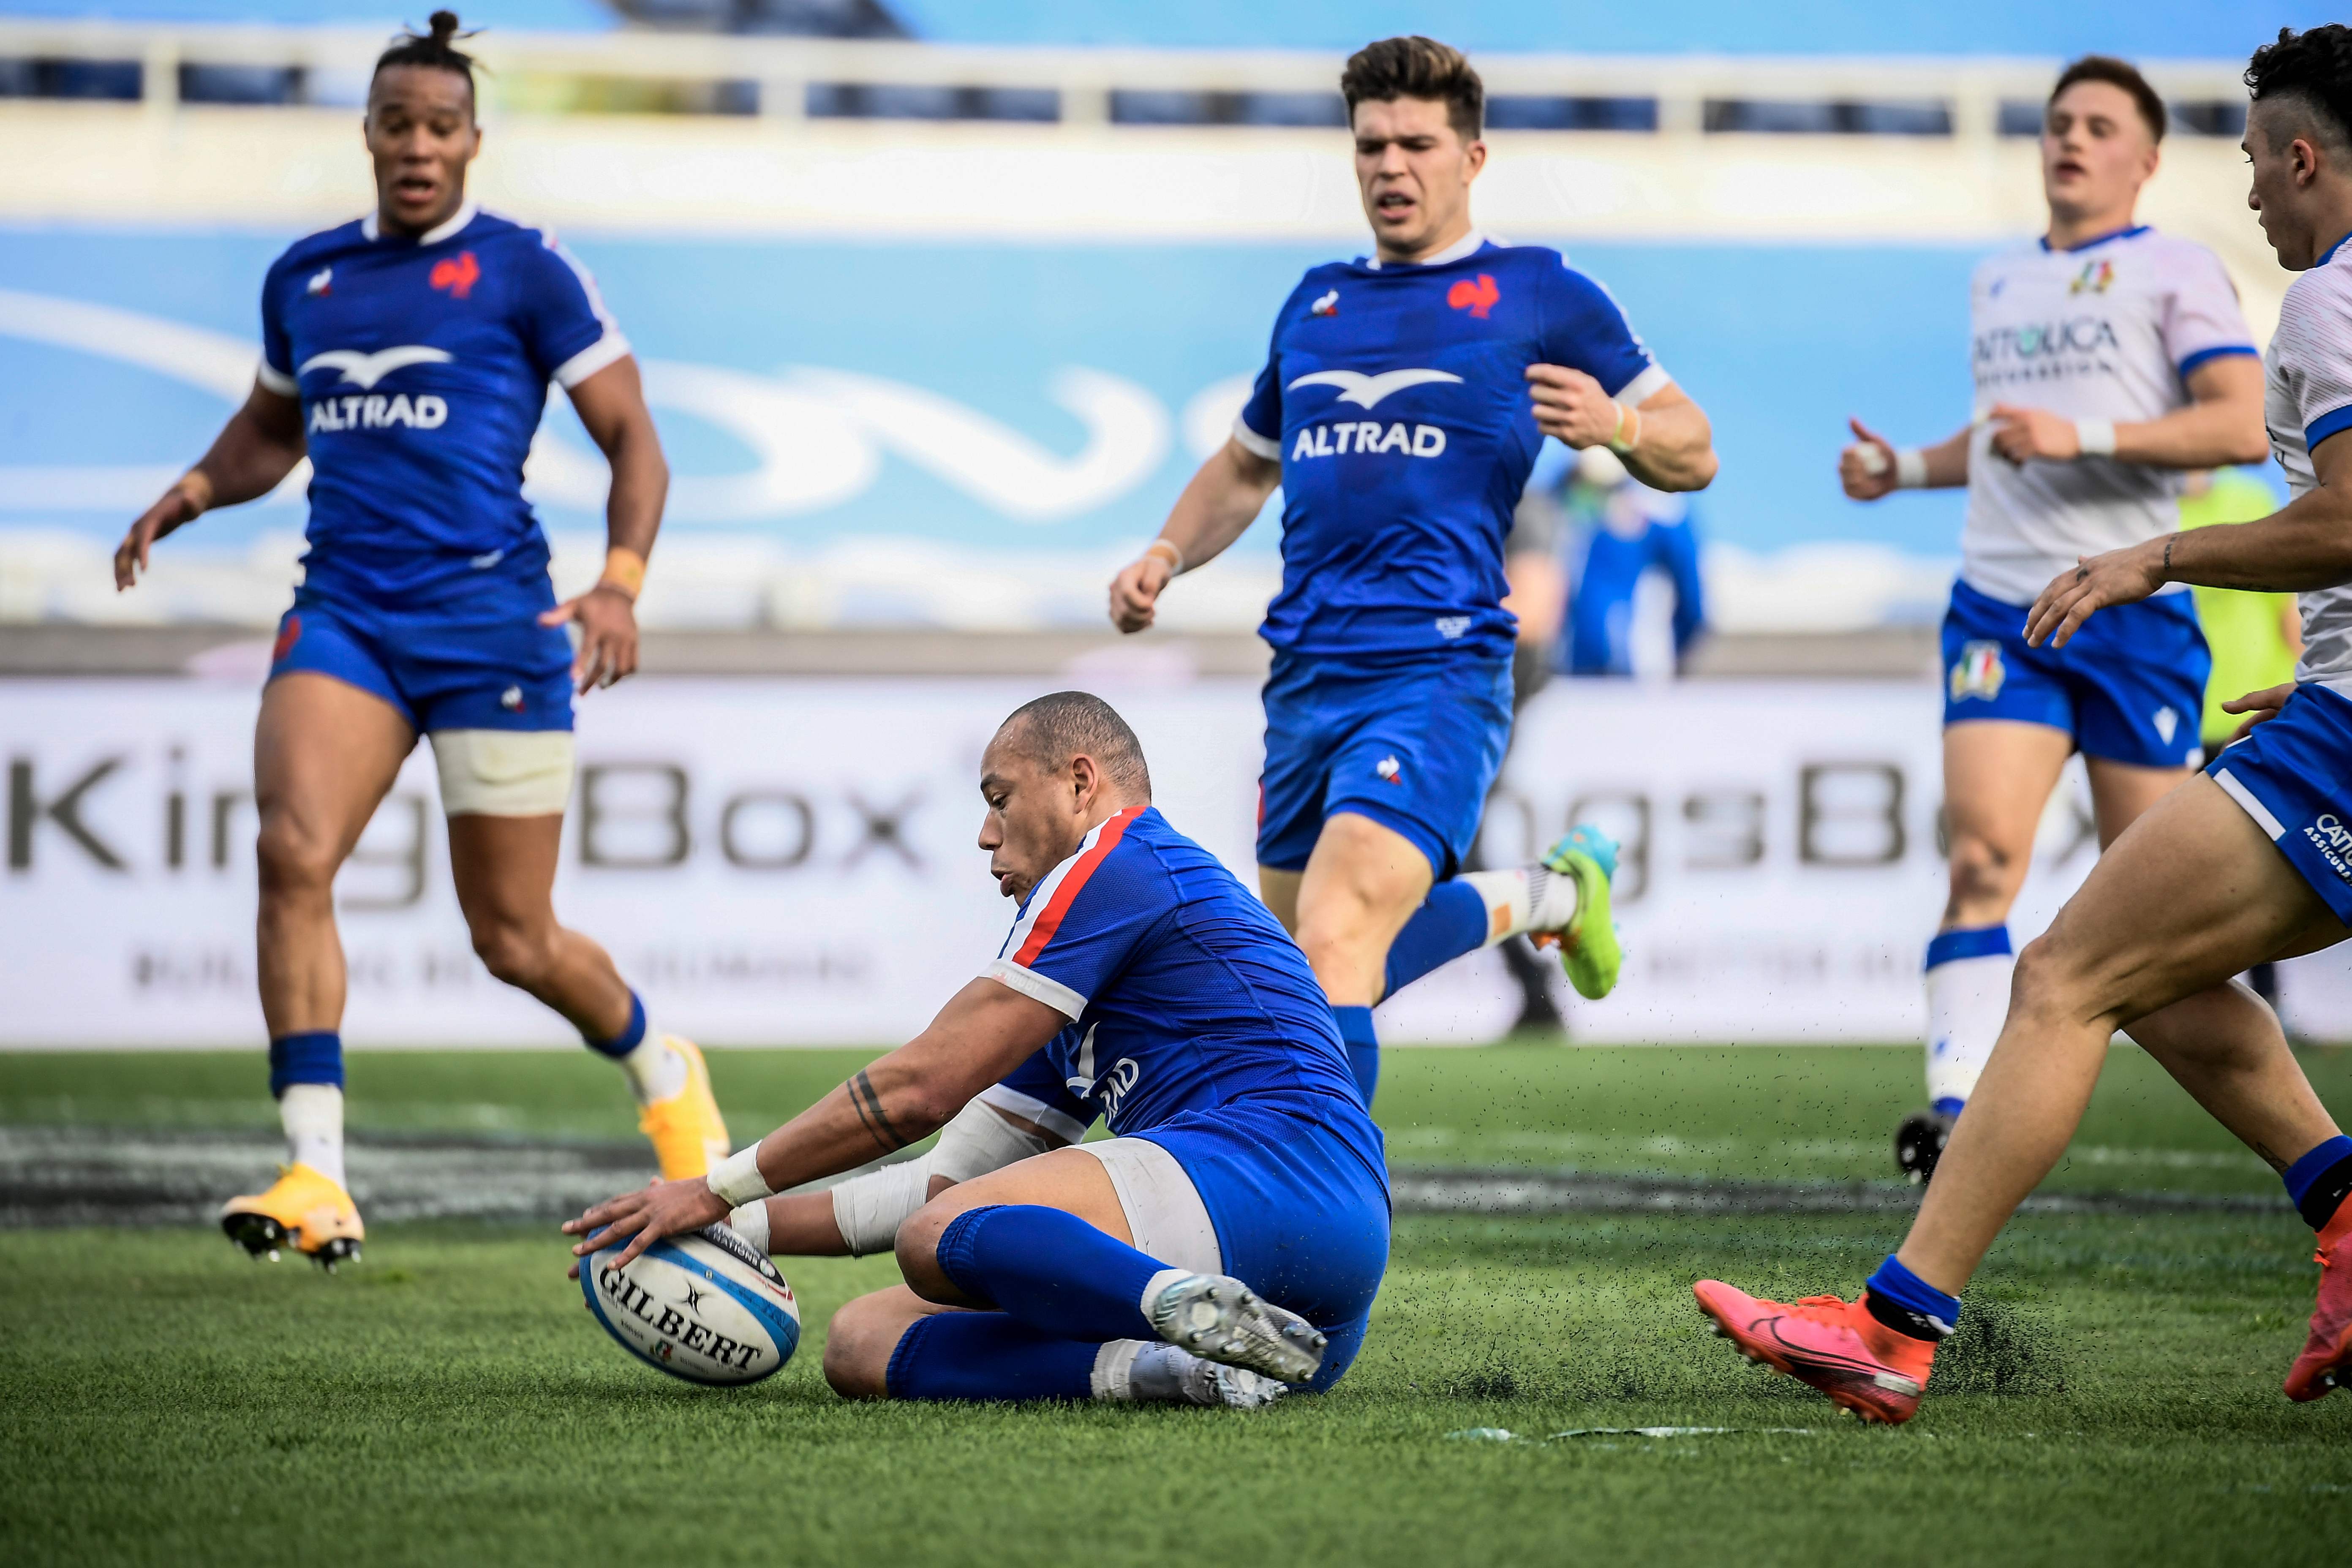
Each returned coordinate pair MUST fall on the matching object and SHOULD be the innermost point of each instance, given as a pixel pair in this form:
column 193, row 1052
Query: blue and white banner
column 966, row 398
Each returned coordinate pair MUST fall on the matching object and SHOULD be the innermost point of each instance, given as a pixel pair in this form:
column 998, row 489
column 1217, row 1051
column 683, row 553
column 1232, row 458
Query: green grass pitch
column 447, row 1400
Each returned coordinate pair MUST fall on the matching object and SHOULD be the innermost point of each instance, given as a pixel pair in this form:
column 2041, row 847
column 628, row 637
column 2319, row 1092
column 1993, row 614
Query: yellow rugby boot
column 303, row 1209
column 690, row 1136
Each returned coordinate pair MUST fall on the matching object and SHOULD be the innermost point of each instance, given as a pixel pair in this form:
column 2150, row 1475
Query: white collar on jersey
column 1466, row 245
column 371, row 231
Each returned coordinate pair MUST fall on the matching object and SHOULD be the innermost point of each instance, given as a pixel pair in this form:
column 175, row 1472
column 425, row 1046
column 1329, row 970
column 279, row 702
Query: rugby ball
column 710, row 1307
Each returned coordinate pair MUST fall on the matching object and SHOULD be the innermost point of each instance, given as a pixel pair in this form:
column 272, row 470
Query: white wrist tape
column 2098, row 436
column 750, row 1223
column 869, row 1210
column 1910, row 470
column 737, row 1180
column 1167, row 547
column 980, row 1141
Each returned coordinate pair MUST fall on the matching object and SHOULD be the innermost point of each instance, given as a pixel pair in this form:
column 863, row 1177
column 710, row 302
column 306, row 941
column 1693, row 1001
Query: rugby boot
column 689, row 1134
column 1219, row 1318
column 2326, row 1357
column 303, row 1209
column 1834, row 1345
column 1588, row 942
column 1919, row 1144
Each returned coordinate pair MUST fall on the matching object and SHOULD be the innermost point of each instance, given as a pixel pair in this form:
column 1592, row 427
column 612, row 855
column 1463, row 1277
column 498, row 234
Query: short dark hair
column 433, row 50
column 2116, row 73
column 1415, row 66
column 1062, row 724
column 2314, row 68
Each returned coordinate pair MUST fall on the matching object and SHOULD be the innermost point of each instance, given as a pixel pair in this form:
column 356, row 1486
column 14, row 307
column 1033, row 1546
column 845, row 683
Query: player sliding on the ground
column 2108, row 359
column 408, row 355
column 1401, row 406
column 1239, row 1218
column 2250, row 863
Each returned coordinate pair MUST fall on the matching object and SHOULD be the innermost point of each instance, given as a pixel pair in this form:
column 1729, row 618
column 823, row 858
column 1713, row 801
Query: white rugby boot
column 1219, row 1318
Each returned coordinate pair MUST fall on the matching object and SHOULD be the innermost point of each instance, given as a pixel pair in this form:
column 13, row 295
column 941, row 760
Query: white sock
column 1968, row 999
column 313, row 1115
column 1139, row 1371
column 656, row 1072
column 1533, row 897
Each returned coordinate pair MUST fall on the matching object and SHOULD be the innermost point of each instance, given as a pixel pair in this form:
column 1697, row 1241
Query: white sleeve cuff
column 1646, row 385
column 272, row 379
column 1251, row 441
column 590, row 360
column 1030, row 984
column 1032, row 1109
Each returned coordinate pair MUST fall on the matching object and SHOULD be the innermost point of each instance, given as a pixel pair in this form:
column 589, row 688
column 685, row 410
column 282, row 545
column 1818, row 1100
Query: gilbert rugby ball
column 709, row 1306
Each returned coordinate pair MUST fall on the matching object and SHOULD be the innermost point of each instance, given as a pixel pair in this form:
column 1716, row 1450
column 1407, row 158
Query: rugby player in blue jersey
column 1401, row 405
column 1224, row 1244
column 408, row 356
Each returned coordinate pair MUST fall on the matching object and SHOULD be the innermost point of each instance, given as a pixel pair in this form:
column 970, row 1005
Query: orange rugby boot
column 303, row 1209
column 1834, row 1345
column 689, row 1134
column 2327, row 1356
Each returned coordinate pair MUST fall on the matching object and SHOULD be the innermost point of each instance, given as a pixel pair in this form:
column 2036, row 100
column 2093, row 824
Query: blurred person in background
column 1402, row 402
column 2255, row 638
column 407, row 355
column 1620, row 534
column 2109, row 361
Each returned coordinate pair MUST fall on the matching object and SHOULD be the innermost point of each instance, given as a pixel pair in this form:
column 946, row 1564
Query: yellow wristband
column 1175, row 556
column 1617, row 443
column 197, row 486
column 625, row 570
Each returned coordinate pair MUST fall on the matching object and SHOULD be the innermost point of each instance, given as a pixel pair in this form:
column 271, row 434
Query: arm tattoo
column 868, row 1106
column 2169, row 541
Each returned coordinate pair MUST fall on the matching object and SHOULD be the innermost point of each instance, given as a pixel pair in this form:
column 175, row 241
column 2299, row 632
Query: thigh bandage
column 504, row 773
column 1164, row 1211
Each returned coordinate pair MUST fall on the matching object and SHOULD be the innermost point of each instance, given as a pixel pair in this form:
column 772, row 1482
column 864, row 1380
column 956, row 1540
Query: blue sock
column 1363, row 1045
column 988, row 1356
column 630, row 1037
column 2317, row 1184
column 1909, row 1305
column 1050, row 1270
column 1450, row 922
column 316, row 1057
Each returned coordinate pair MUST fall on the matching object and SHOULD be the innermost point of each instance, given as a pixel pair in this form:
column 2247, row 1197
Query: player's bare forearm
column 2304, row 545
column 254, row 452
column 1675, row 449
column 985, row 1031
column 1223, row 498
column 612, row 409
column 1220, row 500
column 1948, row 460
column 2222, row 427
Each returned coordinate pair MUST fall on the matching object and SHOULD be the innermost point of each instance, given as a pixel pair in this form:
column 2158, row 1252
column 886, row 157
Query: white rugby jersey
column 2110, row 330
column 2307, row 398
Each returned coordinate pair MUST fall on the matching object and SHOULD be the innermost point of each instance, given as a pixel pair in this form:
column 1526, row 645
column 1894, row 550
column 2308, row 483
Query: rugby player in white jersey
column 2252, row 862
column 2110, row 360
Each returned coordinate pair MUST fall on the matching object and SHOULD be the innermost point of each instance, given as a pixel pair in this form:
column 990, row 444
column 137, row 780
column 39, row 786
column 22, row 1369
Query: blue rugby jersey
column 423, row 367
column 1186, row 993
column 1395, row 398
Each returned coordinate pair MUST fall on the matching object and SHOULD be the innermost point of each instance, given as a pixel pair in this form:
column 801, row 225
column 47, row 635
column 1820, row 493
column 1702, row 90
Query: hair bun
column 443, row 25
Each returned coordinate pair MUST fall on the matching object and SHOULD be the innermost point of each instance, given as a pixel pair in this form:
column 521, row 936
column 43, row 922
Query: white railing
column 1972, row 89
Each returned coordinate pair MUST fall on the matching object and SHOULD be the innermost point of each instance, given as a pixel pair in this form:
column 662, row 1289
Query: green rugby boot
column 1588, row 942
